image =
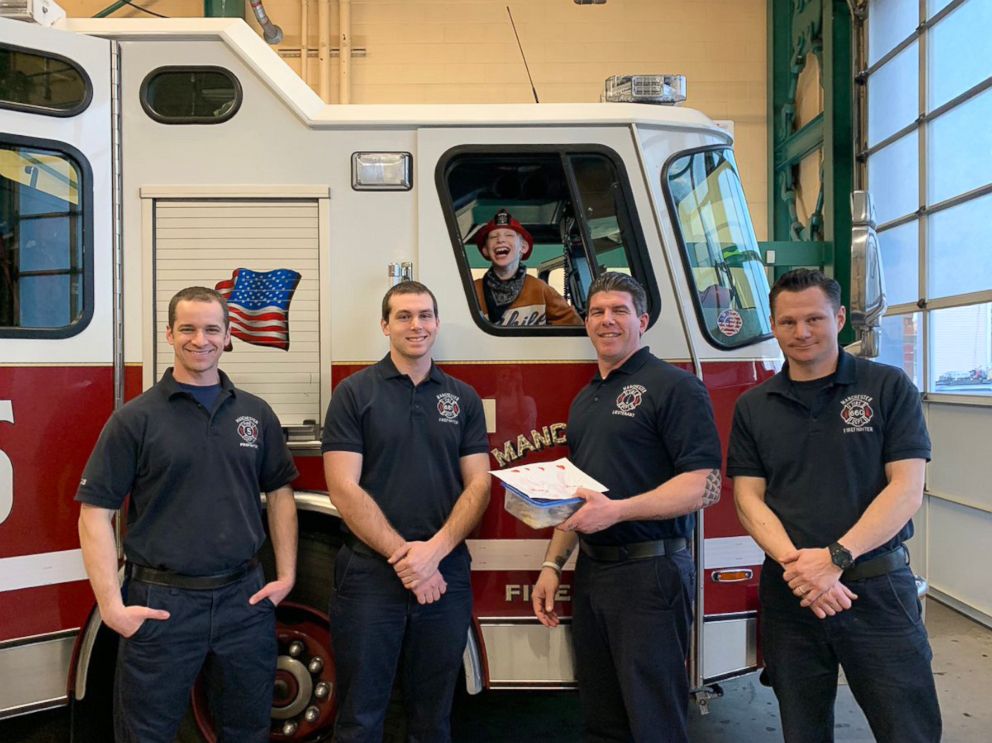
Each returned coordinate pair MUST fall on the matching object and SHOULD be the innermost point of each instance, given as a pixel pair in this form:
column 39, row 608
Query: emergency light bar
column 666, row 90
column 42, row 12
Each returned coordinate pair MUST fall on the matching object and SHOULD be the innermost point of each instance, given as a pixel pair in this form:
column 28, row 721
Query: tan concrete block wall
column 464, row 51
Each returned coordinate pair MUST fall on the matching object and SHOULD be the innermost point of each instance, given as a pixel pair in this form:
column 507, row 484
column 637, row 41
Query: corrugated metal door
column 203, row 242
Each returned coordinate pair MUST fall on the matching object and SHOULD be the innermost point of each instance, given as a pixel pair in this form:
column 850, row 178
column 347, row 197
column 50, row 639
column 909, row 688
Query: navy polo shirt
column 195, row 476
column 825, row 463
column 411, row 439
column 647, row 422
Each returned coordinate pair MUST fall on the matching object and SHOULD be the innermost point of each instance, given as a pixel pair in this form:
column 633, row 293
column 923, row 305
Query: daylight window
column 43, row 255
column 191, row 95
column 41, row 83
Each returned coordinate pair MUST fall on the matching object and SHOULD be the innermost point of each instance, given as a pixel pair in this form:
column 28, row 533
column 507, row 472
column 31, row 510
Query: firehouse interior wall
column 464, row 51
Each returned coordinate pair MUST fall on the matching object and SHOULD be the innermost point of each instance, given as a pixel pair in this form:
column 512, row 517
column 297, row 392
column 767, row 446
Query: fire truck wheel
column 305, row 700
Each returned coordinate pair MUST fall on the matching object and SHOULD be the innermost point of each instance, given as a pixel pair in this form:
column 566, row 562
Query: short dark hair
column 801, row 279
column 406, row 287
column 612, row 281
column 198, row 294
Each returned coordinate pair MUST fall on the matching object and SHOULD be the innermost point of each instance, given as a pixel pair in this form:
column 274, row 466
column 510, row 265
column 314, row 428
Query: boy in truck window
column 507, row 294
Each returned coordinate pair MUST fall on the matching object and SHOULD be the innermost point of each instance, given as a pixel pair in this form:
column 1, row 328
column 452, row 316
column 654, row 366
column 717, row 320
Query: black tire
column 320, row 541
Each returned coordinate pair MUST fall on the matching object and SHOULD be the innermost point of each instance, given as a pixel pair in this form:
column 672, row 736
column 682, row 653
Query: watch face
column 840, row 556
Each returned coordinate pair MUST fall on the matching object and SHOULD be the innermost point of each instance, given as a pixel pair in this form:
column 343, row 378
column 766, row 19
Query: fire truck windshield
column 726, row 273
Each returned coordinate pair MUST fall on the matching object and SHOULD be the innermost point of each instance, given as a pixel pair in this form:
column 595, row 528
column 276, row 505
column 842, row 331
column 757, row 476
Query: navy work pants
column 631, row 626
column 156, row 666
column 377, row 627
column 881, row 644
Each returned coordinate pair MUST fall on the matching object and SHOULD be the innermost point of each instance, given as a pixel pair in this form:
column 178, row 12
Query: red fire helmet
column 503, row 219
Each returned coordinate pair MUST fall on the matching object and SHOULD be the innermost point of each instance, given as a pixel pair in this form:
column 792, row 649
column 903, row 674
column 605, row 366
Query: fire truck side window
column 719, row 247
column 42, row 249
column 42, row 83
column 190, row 95
column 574, row 204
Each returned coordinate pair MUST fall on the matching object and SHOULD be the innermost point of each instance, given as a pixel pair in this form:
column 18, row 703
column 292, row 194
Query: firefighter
column 406, row 460
column 507, row 294
column 828, row 459
column 194, row 452
column 645, row 430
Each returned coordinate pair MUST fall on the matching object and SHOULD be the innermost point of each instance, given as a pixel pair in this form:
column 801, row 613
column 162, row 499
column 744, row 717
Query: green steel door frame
column 223, row 8
column 796, row 29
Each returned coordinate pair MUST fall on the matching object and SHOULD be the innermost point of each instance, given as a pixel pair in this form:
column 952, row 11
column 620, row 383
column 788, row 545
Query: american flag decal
column 259, row 305
column 729, row 322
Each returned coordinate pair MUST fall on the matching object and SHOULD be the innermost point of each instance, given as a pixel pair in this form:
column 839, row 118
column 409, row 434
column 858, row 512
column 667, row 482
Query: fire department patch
column 449, row 407
column 629, row 398
column 248, row 430
column 857, row 412
column 729, row 322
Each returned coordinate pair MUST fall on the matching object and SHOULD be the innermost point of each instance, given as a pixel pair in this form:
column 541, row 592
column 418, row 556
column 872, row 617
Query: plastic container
column 539, row 514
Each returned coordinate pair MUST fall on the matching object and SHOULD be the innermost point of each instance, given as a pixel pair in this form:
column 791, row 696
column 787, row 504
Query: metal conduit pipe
column 304, row 41
column 324, row 48
column 270, row 32
column 344, row 57
column 112, row 8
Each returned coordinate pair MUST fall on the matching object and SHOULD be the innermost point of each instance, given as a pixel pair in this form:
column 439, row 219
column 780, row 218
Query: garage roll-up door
column 264, row 255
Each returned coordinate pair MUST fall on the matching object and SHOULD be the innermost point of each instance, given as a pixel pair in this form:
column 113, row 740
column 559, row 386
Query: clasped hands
column 813, row 577
column 416, row 565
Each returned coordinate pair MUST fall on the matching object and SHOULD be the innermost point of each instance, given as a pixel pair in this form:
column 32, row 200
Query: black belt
column 878, row 565
column 632, row 551
column 193, row 582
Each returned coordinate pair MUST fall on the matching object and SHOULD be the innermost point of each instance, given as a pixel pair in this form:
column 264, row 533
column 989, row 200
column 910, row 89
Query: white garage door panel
column 959, row 538
column 959, row 470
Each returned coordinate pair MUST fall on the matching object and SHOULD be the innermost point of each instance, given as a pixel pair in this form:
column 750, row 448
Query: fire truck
column 141, row 156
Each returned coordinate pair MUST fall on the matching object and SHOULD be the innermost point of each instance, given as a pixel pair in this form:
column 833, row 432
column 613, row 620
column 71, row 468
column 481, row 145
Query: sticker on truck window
column 729, row 322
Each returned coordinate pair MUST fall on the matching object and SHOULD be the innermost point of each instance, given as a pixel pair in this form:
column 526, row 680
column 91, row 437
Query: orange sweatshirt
column 537, row 304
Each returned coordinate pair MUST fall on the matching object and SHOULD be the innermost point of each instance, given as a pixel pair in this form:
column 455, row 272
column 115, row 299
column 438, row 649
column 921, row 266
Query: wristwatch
column 840, row 556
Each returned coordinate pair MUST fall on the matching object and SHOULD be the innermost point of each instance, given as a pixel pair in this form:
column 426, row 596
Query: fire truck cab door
column 56, row 367
column 62, row 150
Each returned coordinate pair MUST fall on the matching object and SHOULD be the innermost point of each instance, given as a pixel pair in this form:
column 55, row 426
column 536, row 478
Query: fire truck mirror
column 868, row 302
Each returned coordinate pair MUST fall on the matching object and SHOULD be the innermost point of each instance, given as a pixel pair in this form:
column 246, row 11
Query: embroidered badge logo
column 857, row 412
column 448, row 407
column 629, row 398
column 248, row 431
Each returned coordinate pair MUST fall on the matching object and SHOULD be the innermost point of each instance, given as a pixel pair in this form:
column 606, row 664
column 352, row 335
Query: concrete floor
column 747, row 712
column 962, row 666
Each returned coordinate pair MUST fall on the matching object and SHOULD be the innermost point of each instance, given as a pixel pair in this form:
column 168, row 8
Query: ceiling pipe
column 324, row 48
column 344, row 57
column 305, row 41
column 270, row 32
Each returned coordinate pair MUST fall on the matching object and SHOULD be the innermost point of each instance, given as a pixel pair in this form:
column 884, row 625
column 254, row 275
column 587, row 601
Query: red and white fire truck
column 138, row 157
